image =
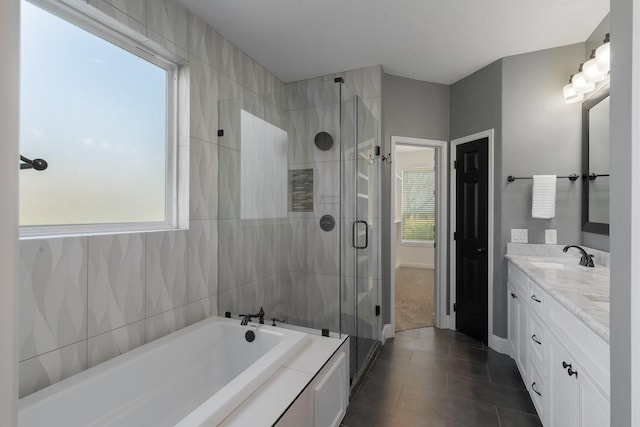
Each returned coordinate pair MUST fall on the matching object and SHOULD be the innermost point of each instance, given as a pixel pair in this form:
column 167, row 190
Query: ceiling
column 439, row 41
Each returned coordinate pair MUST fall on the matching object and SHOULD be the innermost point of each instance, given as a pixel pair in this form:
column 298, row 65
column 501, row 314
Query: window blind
column 418, row 205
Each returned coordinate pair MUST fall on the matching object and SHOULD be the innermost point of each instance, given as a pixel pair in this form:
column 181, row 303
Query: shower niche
column 301, row 190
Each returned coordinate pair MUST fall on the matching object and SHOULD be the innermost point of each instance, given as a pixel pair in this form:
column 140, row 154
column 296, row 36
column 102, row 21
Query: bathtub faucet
column 246, row 318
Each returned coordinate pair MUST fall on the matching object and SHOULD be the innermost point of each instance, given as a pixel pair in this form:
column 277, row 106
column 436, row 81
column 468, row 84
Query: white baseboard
column 387, row 332
column 501, row 345
column 412, row 265
column 444, row 322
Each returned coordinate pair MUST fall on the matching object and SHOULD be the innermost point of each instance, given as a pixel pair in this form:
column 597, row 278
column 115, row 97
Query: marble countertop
column 582, row 290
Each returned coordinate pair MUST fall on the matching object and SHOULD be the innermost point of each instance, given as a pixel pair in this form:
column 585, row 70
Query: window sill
column 416, row 244
column 48, row 232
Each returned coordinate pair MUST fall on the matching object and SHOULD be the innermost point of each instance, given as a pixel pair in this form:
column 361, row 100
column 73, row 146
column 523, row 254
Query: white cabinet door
column 513, row 314
column 517, row 315
column 594, row 406
column 563, row 388
column 523, row 337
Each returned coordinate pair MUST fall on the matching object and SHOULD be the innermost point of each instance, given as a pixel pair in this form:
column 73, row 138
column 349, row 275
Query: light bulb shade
column 580, row 83
column 570, row 94
column 592, row 72
column 603, row 57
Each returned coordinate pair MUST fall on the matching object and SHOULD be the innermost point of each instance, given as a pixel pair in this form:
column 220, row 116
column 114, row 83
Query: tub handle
column 275, row 319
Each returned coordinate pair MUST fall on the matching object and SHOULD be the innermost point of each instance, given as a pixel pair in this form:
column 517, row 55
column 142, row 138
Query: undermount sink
column 597, row 297
column 547, row 264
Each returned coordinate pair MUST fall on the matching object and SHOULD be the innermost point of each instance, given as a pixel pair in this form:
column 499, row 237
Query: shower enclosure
column 298, row 211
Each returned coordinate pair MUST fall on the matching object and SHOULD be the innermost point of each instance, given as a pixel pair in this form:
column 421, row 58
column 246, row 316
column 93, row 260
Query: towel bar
column 511, row 178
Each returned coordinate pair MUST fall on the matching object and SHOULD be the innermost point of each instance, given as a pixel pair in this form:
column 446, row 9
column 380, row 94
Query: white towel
column 544, row 196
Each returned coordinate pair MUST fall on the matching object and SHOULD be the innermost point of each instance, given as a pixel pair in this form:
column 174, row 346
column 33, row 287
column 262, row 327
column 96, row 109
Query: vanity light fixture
column 570, row 94
column 595, row 70
column 592, row 71
column 580, row 82
column 603, row 55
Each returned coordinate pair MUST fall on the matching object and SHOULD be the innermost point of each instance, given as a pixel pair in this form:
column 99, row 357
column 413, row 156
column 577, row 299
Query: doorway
column 418, row 233
column 472, row 235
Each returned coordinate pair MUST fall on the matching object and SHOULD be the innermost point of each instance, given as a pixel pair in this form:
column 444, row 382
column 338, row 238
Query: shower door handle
column 354, row 234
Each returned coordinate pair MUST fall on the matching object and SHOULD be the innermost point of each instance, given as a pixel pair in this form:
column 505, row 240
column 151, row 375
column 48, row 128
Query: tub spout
column 246, row 318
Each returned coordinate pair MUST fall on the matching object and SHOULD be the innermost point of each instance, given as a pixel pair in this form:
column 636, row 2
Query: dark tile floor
column 435, row 377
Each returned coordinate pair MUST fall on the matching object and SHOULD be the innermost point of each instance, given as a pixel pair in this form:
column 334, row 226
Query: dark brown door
column 471, row 238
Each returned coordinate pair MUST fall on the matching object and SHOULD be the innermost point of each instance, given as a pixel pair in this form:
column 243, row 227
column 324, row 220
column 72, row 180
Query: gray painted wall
column 476, row 105
column 625, row 334
column 536, row 132
column 411, row 108
column 597, row 36
column 541, row 135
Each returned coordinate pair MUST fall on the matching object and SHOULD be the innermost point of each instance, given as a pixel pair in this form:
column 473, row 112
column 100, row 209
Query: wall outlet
column 519, row 235
column 551, row 237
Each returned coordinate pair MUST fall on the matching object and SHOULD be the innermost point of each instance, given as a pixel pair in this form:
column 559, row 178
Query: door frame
column 489, row 134
column 440, row 261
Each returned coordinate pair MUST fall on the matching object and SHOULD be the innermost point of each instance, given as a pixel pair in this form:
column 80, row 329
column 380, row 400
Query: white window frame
column 417, row 243
column 176, row 196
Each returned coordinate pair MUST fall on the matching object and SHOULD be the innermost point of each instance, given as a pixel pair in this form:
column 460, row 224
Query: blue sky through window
column 98, row 114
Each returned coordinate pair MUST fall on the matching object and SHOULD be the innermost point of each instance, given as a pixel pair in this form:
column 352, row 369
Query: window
column 418, row 205
column 101, row 112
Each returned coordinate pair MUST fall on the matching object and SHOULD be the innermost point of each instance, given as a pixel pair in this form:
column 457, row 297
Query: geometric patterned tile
column 39, row 372
column 116, row 281
column 114, row 343
column 166, row 271
column 53, row 294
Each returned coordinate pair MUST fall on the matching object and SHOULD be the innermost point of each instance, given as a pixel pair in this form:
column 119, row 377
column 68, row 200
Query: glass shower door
column 361, row 234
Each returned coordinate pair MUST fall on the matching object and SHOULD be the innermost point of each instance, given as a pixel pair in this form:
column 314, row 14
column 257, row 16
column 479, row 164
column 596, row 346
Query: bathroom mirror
column 595, row 163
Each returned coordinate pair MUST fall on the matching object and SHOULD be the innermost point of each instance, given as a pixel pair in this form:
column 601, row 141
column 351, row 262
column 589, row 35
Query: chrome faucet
column 246, row 318
column 585, row 259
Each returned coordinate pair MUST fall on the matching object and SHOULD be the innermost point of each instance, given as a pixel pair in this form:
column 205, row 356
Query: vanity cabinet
column 517, row 313
column 574, row 398
column 564, row 363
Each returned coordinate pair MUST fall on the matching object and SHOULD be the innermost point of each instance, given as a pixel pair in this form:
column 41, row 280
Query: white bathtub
column 195, row 376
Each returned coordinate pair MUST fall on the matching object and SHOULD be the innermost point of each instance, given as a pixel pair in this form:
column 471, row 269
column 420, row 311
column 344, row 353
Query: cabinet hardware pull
column 533, row 297
column 513, row 295
column 569, row 369
column 535, row 339
column 533, row 387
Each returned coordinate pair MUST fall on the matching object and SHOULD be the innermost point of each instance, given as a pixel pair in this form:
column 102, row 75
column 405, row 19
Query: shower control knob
column 327, row 223
column 481, row 250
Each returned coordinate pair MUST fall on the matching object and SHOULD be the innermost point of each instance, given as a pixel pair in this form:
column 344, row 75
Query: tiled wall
column 289, row 265
column 84, row 300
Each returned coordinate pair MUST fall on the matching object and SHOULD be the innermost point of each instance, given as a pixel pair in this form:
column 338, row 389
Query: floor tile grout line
column 501, row 386
column 444, row 350
column 398, row 398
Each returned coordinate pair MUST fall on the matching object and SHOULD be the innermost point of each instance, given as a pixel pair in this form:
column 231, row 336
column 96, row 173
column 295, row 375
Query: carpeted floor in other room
column 414, row 298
